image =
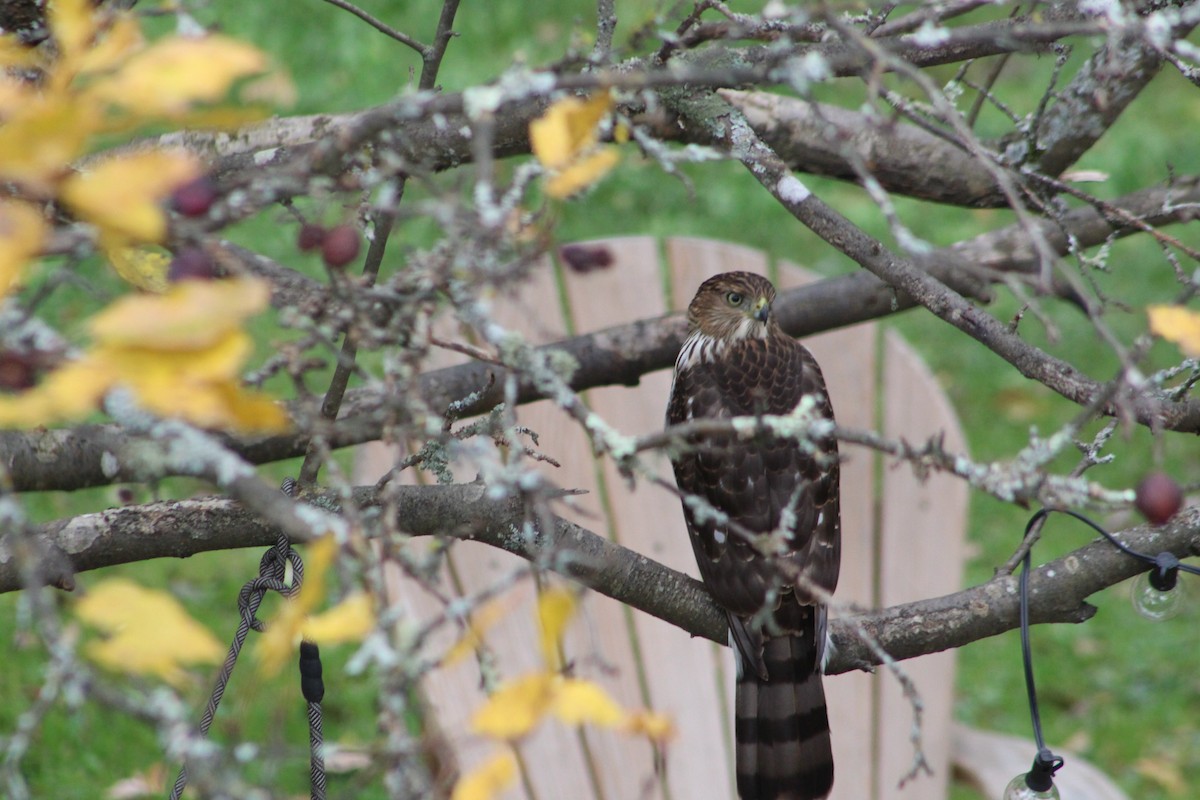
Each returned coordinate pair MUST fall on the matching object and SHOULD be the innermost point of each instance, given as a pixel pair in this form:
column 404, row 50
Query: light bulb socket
column 1165, row 573
column 1040, row 777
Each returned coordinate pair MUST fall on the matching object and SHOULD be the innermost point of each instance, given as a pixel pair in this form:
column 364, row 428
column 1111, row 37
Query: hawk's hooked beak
column 762, row 309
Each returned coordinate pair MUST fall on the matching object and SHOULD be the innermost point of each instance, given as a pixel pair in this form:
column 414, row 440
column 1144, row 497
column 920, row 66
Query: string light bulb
column 1038, row 783
column 1155, row 593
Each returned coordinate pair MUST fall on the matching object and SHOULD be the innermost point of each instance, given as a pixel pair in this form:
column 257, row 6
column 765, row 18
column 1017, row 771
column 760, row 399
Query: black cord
column 1164, row 571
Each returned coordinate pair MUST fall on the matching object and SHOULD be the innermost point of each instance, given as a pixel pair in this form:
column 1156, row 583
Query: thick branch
column 1058, row 590
column 94, row 455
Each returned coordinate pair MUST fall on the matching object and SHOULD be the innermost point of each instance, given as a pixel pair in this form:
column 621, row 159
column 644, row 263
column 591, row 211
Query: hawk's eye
column 734, row 298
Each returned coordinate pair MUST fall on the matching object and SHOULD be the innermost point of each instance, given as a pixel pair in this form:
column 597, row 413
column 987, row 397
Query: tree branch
column 96, row 455
column 1058, row 590
column 707, row 115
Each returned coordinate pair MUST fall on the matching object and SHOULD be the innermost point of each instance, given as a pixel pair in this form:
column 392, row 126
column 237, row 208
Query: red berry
column 191, row 263
column 17, row 371
column 311, row 236
column 1158, row 497
column 341, row 245
column 585, row 258
column 194, row 198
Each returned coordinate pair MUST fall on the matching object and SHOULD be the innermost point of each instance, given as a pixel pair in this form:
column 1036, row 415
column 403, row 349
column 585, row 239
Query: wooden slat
column 921, row 551
column 649, row 520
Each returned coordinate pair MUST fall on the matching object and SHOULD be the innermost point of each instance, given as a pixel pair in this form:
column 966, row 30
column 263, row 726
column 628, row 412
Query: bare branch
column 1058, row 590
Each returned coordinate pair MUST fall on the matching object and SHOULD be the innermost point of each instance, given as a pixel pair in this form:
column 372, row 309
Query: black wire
column 1026, row 651
column 1152, row 560
column 1163, row 563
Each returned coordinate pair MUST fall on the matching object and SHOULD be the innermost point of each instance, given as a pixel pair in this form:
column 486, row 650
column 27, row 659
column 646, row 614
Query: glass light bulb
column 1018, row 789
column 1153, row 604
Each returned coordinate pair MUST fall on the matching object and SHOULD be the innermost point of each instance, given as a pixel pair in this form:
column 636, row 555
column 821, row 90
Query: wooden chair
column 903, row 540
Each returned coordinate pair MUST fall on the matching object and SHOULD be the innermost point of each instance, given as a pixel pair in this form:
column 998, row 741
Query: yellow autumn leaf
column 147, row 365
column 567, row 129
column 247, row 411
column 472, row 638
column 488, row 779
column 149, row 632
column 73, row 24
column 349, row 621
column 516, row 707
column 166, row 78
column 69, row 392
column 657, row 727
column 14, row 53
column 555, row 609
column 578, row 701
column 190, row 315
column 284, row 630
column 582, row 173
column 1179, row 325
column 121, row 38
column 22, row 231
column 140, row 266
column 39, row 140
column 123, row 195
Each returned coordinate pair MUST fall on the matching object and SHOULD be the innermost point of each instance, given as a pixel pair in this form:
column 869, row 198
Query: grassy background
column 1119, row 690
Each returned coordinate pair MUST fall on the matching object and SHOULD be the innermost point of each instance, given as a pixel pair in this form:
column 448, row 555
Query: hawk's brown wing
column 754, row 480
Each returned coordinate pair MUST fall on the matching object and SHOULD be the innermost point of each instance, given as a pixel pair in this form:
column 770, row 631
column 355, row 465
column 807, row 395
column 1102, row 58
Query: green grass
column 1120, row 690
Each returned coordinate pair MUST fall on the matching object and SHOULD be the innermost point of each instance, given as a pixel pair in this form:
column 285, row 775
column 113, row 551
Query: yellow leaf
column 581, row 174
column 73, row 25
column 146, row 366
column 555, row 609
column 488, row 779
column 516, row 707
column 189, row 316
column 567, row 129
column 123, row 194
column 1179, row 325
column 150, row 633
column 248, row 411
column 67, row 393
column 578, row 701
column 657, row 727
column 482, row 619
column 122, row 38
column 22, row 230
column 14, row 53
column 39, row 140
column 172, row 74
column 144, row 268
column 349, row 621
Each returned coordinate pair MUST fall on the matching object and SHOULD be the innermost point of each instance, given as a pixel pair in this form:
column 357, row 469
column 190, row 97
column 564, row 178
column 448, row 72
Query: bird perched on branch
column 762, row 512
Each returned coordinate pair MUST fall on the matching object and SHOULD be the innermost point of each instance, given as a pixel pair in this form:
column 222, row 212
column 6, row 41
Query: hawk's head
column 732, row 306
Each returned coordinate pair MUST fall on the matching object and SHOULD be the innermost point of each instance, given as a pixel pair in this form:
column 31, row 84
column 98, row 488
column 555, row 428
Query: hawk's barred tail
column 782, row 726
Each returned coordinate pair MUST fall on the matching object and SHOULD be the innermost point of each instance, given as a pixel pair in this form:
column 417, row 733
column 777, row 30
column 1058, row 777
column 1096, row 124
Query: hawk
column 737, row 362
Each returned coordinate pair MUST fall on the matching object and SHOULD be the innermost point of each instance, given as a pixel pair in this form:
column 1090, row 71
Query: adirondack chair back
column 903, row 540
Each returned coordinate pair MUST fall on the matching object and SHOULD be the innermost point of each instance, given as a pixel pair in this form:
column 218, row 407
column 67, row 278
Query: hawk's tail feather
column 782, row 726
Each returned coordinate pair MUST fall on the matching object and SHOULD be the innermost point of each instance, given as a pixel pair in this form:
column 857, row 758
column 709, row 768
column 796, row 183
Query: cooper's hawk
column 736, row 362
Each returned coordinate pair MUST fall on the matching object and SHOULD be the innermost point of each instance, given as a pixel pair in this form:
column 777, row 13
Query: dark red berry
column 125, row 495
column 17, row 371
column 311, row 236
column 586, row 258
column 191, row 264
column 1158, row 497
column 341, row 245
column 194, row 198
